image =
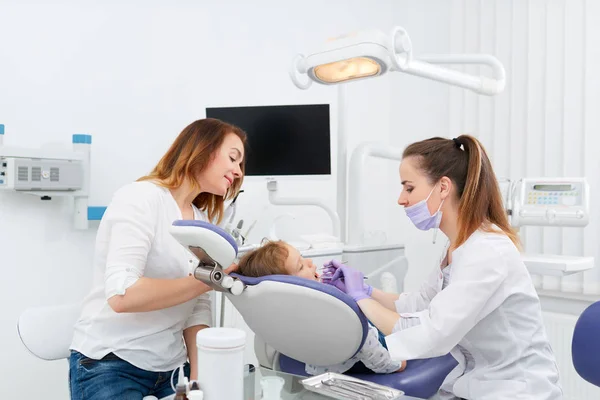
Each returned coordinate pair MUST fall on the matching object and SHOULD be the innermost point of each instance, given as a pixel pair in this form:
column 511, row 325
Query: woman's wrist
column 199, row 286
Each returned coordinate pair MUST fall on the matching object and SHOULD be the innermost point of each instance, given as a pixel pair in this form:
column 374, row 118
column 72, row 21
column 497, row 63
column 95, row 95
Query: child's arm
column 376, row 357
column 338, row 368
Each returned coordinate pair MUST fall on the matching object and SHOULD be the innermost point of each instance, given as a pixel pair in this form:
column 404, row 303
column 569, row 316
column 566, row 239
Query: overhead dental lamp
column 371, row 53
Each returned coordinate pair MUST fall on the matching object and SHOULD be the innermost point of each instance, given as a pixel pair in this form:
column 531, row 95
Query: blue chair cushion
column 421, row 378
column 585, row 347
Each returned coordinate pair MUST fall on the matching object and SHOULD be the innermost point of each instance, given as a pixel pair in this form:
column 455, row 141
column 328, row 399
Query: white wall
column 133, row 75
column 420, row 111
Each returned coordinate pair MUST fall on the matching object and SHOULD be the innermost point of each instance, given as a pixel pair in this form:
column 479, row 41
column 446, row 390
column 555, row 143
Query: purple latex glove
column 329, row 270
column 348, row 280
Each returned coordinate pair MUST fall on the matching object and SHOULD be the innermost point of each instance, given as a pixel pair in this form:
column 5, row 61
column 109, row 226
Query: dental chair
column 585, row 347
column 297, row 321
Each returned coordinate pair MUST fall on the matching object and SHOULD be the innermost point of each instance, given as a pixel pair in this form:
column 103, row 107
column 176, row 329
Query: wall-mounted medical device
column 40, row 174
column 550, row 202
column 559, row 202
column 49, row 172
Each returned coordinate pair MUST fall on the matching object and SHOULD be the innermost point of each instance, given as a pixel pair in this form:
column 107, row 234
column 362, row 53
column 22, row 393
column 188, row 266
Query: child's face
column 297, row 265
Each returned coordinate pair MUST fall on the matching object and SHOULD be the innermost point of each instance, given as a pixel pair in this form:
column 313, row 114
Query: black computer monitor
column 285, row 140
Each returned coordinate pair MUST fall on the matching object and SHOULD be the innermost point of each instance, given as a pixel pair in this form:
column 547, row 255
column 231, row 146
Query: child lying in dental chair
column 280, row 258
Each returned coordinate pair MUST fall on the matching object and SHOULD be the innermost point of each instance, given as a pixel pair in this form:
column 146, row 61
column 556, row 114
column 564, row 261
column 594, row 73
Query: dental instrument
column 237, row 235
column 329, row 274
column 230, row 213
column 344, row 387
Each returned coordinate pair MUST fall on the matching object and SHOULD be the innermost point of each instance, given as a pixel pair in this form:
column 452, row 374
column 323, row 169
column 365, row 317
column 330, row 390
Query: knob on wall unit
column 560, row 202
column 49, row 172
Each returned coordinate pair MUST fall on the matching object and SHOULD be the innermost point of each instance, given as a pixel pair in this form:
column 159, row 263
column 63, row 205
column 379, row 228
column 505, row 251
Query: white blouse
column 133, row 240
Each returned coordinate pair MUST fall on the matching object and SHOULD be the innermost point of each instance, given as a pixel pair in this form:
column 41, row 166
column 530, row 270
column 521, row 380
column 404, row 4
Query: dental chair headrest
column 315, row 323
column 218, row 244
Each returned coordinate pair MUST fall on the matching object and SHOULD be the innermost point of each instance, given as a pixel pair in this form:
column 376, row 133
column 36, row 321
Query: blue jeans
column 113, row 378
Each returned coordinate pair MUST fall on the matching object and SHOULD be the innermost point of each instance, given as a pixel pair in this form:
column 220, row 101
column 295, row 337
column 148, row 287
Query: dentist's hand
column 232, row 268
column 350, row 281
column 329, row 270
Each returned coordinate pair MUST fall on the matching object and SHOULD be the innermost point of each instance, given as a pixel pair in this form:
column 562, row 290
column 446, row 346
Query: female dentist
column 480, row 304
column 140, row 320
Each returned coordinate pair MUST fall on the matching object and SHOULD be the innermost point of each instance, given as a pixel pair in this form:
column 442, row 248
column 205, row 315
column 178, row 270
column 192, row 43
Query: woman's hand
column 353, row 281
column 232, row 268
column 329, row 276
column 329, row 270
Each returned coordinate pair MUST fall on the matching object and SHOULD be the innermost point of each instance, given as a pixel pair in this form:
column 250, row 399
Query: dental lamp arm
column 150, row 294
column 403, row 60
column 478, row 84
column 275, row 200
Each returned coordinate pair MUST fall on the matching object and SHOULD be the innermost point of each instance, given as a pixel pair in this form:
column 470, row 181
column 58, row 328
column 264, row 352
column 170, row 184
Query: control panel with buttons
column 550, row 202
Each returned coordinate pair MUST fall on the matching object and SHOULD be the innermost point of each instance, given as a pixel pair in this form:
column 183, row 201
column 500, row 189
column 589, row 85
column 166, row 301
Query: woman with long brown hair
column 140, row 320
column 480, row 304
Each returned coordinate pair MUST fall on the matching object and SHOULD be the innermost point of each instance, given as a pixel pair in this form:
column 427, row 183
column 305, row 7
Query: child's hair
column 269, row 259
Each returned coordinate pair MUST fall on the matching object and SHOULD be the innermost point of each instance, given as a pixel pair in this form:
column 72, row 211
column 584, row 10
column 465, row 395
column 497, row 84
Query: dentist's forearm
column 387, row 300
column 380, row 316
column 189, row 336
column 149, row 294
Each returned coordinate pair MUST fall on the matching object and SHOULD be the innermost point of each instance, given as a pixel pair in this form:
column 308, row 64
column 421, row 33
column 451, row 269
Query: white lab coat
column 491, row 309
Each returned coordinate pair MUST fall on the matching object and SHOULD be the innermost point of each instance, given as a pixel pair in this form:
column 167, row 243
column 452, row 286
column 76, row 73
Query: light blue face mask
column 421, row 218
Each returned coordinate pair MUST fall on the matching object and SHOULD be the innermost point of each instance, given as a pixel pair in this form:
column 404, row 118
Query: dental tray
column 342, row 387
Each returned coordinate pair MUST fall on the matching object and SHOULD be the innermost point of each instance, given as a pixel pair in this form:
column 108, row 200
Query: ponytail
column 480, row 200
